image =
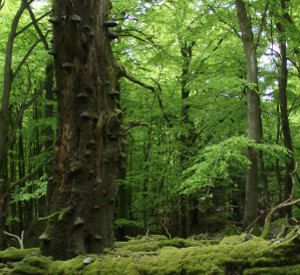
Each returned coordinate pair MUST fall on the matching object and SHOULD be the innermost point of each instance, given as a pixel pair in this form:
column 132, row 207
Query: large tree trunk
column 87, row 150
column 253, row 111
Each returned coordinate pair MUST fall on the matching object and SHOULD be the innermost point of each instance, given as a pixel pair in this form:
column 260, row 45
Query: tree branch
column 288, row 202
column 37, row 28
column 25, row 106
column 128, row 32
column 133, row 79
column 20, row 240
column 31, row 23
column 8, row 78
column 225, row 23
column 2, row 4
column 261, row 25
column 25, row 58
column 15, row 183
column 131, row 124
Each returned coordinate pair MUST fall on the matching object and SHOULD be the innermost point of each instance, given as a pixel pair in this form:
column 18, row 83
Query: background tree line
column 190, row 71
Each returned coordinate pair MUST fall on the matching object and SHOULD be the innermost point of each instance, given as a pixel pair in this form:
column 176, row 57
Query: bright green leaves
column 217, row 164
column 33, row 190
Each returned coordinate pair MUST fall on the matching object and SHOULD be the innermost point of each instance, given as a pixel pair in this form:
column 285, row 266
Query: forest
column 149, row 137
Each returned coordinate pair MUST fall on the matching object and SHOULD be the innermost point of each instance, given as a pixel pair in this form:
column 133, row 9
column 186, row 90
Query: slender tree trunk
column 87, row 150
column 287, row 138
column 186, row 137
column 123, row 204
column 253, row 111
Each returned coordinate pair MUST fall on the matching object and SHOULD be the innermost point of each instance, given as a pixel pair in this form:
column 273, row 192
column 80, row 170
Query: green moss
column 237, row 239
column 67, row 267
column 5, row 270
column 135, row 245
column 155, row 243
column 266, row 230
column 230, row 231
column 256, row 231
column 59, row 213
column 207, row 260
column 168, row 261
column 160, row 256
column 15, row 254
column 282, row 270
column 111, row 265
column 277, row 225
column 32, row 265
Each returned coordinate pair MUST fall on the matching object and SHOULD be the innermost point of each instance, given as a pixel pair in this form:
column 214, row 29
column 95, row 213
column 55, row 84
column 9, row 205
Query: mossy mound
column 14, row 254
column 154, row 243
column 286, row 270
column 243, row 254
column 32, row 264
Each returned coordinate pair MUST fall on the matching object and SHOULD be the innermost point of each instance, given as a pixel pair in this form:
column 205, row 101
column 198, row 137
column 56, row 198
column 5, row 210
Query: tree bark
column 49, row 133
column 282, row 96
column 253, row 112
column 87, row 150
column 187, row 132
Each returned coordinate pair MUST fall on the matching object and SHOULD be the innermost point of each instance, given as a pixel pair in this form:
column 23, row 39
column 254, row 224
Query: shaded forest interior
column 196, row 123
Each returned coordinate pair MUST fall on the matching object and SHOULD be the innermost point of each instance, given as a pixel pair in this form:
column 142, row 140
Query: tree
column 253, row 111
column 282, row 98
column 87, row 150
column 2, row 2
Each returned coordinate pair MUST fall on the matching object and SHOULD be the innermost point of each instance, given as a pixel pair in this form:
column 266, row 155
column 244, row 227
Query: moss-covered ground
column 240, row 254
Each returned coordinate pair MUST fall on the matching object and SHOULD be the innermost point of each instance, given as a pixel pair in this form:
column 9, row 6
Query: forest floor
column 155, row 255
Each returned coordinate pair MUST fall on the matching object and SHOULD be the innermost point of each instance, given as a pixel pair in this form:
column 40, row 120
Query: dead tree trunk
column 87, row 149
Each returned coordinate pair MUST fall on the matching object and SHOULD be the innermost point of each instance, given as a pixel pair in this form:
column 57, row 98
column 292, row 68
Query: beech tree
column 253, row 110
column 282, row 98
column 87, row 150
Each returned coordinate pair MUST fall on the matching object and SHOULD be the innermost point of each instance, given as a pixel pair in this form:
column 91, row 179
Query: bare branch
column 261, row 25
column 2, row 4
column 25, row 58
column 20, row 240
column 37, row 28
column 288, row 202
column 131, row 124
column 32, row 23
column 128, row 32
column 133, row 79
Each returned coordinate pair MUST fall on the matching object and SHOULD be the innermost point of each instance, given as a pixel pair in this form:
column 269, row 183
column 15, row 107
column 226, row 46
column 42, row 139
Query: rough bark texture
column 253, row 111
column 87, row 150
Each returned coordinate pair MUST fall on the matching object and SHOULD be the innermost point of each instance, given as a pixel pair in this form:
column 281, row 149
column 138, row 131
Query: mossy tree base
column 157, row 255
